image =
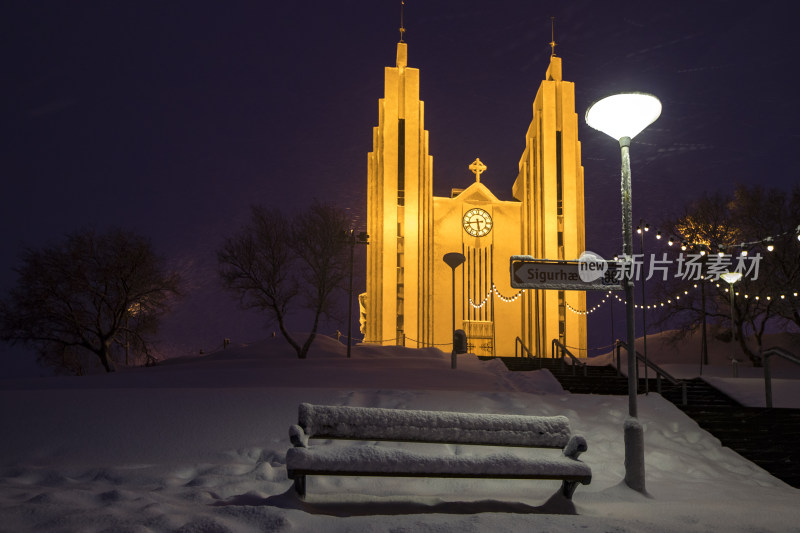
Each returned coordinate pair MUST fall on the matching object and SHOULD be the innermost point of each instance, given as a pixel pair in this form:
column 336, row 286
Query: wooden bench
column 376, row 424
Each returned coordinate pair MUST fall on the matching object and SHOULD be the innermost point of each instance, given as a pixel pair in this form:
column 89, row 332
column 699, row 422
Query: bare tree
column 773, row 214
column 270, row 262
column 88, row 293
column 730, row 224
column 708, row 223
column 318, row 241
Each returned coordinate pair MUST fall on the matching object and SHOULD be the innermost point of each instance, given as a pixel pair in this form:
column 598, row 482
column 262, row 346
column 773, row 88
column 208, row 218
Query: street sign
column 579, row 275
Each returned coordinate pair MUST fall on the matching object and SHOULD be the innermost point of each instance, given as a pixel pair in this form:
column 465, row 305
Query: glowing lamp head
column 623, row 115
column 731, row 277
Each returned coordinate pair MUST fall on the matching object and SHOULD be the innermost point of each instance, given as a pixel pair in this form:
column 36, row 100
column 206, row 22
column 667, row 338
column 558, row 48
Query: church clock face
column 477, row 222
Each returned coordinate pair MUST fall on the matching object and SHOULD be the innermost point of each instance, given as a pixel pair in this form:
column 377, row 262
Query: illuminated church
column 408, row 294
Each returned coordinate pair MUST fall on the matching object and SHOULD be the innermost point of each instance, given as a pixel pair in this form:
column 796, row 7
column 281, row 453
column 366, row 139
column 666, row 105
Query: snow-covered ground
column 198, row 445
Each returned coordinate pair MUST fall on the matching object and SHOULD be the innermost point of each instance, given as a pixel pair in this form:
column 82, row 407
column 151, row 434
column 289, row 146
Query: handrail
column 555, row 345
column 769, row 352
column 518, row 342
column 657, row 369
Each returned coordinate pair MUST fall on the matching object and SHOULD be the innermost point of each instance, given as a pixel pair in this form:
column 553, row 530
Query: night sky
column 172, row 118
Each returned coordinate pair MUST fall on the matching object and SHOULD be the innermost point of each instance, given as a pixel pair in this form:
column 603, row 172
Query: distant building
column 408, row 296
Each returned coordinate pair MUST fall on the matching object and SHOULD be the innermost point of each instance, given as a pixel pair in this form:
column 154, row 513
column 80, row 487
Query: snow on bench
column 377, row 424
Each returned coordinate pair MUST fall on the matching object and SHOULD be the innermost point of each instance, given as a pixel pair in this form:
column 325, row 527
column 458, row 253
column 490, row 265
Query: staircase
column 767, row 437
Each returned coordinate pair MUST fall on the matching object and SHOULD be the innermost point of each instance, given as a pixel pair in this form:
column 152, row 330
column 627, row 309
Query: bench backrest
column 372, row 423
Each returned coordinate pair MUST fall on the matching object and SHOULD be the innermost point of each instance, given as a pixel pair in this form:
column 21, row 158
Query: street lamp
column 352, row 239
column 453, row 260
column 623, row 116
column 731, row 278
column 704, row 337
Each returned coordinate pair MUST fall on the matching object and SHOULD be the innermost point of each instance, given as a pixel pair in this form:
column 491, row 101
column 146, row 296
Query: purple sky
column 171, row 118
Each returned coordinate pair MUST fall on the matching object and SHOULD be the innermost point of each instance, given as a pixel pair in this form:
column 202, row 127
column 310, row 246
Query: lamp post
column 704, row 333
column 731, row 278
column 453, row 259
column 133, row 310
column 611, row 310
column 623, row 116
column 352, row 239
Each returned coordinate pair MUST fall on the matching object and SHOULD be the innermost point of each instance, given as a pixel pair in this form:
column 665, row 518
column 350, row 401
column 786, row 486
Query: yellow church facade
column 408, row 298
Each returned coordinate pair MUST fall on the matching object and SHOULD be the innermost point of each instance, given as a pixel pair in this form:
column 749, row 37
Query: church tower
column 399, row 214
column 409, row 288
column 550, row 187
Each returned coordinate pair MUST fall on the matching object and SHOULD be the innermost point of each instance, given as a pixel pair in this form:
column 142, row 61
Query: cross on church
column 478, row 168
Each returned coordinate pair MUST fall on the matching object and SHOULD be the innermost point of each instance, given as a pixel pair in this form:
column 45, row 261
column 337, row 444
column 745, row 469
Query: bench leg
column 300, row 486
column 568, row 488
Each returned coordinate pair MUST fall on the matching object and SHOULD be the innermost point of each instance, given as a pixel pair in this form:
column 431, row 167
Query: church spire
column 402, row 49
column 402, row 25
column 554, row 69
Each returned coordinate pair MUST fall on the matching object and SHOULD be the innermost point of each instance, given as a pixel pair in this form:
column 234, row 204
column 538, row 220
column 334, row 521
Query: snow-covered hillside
column 198, row 445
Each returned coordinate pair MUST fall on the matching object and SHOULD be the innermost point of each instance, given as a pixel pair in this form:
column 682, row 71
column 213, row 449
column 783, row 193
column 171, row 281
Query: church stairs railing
column 556, row 346
column 769, row 352
column 660, row 372
column 520, row 348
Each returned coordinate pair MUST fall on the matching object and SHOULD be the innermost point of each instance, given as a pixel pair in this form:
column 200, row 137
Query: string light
column 506, row 299
column 485, row 298
column 669, row 301
column 593, row 309
column 766, row 242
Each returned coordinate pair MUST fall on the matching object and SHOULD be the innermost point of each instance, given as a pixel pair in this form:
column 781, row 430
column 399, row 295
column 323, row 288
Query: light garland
column 506, row 299
column 485, row 298
column 593, row 309
column 767, row 242
column 668, row 301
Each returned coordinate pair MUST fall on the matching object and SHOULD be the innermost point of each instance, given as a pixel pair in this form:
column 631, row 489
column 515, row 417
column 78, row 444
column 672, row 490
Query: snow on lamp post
column 623, row 116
